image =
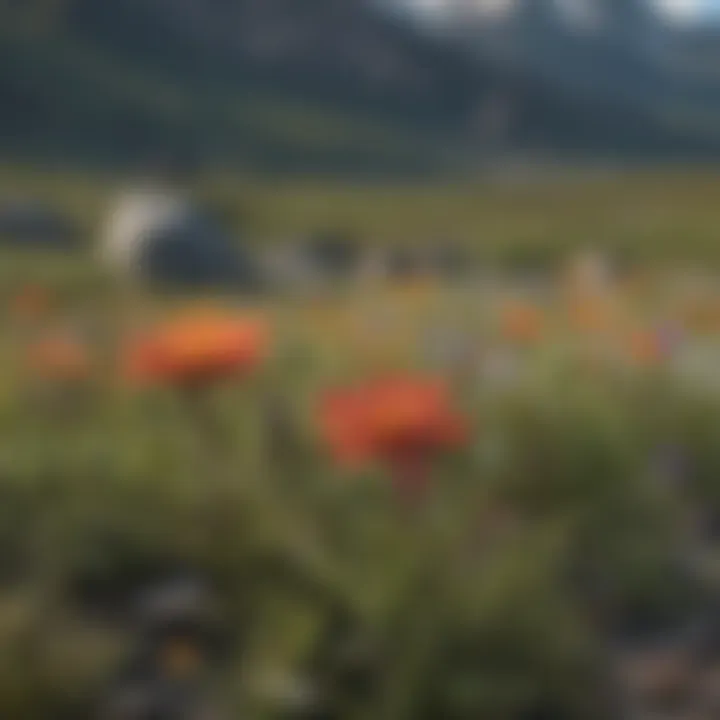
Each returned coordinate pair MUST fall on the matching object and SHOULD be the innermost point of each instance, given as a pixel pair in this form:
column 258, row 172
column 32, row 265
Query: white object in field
column 138, row 216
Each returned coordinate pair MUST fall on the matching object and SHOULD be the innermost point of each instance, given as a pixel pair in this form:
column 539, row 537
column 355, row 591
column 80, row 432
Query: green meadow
column 579, row 514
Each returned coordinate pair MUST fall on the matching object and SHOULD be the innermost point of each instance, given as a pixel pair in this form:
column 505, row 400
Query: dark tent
column 198, row 255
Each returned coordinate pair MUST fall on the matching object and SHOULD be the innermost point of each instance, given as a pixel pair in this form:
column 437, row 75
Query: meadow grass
column 569, row 518
column 647, row 216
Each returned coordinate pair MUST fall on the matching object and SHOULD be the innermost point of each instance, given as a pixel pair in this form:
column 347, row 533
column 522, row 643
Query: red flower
column 403, row 422
column 197, row 348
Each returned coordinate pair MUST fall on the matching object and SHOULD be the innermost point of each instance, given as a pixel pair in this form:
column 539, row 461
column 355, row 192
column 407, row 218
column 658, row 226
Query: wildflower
column 702, row 316
column 590, row 315
column 647, row 348
column 30, row 303
column 414, row 293
column 60, row 358
column 589, row 273
column 198, row 348
column 670, row 338
column 522, row 323
column 401, row 422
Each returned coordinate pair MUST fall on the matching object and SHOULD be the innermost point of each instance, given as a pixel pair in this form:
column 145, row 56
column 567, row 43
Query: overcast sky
column 690, row 10
column 678, row 11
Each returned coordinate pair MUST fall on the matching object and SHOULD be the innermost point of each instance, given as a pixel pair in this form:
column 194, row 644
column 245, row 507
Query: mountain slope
column 629, row 60
column 278, row 84
column 246, row 81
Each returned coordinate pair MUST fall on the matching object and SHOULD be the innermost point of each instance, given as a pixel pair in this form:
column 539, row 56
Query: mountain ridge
column 272, row 84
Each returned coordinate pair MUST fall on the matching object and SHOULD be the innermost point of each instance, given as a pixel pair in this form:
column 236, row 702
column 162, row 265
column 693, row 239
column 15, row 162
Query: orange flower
column 59, row 358
column 522, row 323
column 646, row 348
column 30, row 303
column 196, row 348
column 401, row 421
column 703, row 316
column 590, row 315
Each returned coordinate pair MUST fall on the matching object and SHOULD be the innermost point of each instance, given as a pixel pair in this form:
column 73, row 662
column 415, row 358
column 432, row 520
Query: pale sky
column 690, row 10
column 680, row 11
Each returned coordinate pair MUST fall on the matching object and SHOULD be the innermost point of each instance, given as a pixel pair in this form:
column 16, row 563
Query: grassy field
column 571, row 528
column 648, row 216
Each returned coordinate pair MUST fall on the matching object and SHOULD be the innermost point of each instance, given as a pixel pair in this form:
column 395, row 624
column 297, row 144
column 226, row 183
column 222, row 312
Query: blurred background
column 359, row 359
column 388, row 86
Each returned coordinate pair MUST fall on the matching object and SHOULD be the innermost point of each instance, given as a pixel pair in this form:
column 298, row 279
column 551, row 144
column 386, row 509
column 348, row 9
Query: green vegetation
column 653, row 217
column 552, row 527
